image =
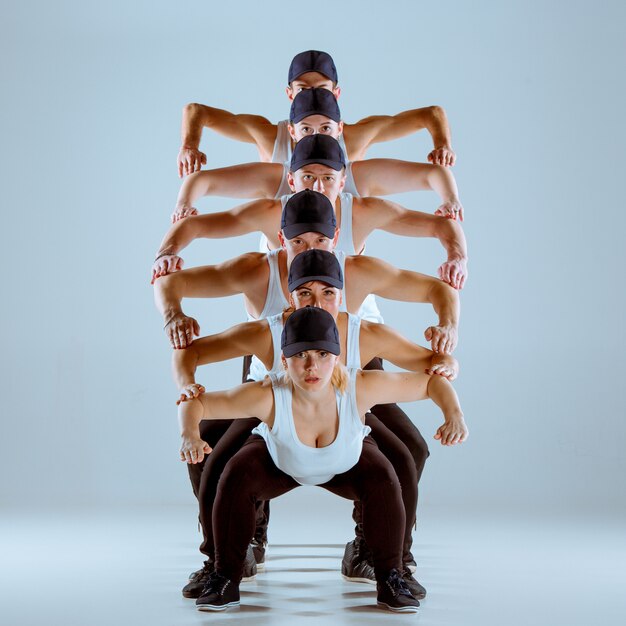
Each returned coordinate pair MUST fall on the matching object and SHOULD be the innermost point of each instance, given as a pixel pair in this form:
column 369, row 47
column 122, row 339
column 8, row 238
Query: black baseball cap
column 315, row 265
column 310, row 328
column 316, row 101
column 312, row 61
column 322, row 149
column 308, row 212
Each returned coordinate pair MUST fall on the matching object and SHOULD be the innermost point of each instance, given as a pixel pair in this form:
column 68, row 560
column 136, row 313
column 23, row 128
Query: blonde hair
column 339, row 379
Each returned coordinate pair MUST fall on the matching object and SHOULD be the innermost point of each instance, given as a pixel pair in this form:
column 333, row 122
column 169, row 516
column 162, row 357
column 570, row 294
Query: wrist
column 455, row 415
column 164, row 252
column 189, row 147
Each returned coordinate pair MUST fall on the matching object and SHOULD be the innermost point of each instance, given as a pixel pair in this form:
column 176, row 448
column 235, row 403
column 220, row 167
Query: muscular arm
column 377, row 387
column 239, row 275
column 250, row 180
column 381, row 177
column 247, row 338
column 247, row 128
column 372, row 213
column 366, row 275
column 360, row 136
column 248, row 400
column 258, row 215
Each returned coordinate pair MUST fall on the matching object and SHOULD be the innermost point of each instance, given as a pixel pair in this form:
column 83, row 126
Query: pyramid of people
column 315, row 406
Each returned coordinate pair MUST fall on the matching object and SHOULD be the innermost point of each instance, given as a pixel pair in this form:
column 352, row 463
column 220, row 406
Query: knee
column 419, row 451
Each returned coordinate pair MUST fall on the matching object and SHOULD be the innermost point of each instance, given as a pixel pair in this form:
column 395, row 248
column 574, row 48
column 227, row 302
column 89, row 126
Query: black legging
column 251, row 475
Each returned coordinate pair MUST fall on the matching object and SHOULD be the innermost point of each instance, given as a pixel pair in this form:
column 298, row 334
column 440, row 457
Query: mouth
column 311, row 380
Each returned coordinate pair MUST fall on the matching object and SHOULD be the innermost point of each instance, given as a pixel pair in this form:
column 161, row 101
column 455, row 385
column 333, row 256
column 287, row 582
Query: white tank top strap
column 282, row 145
column 257, row 368
column 284, row 188
column 345, row 243
column 264, row 244
column 353, row 349
column 275, row 301
column 350, row 186
column 354, row 407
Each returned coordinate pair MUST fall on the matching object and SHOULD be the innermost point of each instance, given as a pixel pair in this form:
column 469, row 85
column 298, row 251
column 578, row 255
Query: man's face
column 318, row 177
column 314, row 125
column 309, row 80
column 317, row 294
column 306, row 241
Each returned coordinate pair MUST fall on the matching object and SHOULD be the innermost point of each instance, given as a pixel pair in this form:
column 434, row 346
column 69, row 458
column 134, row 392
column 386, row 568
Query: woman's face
column 311, row 370
column 317, row 294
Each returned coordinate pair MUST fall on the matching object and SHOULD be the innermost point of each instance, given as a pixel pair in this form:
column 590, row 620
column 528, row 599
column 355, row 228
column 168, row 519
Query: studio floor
column 121, row 567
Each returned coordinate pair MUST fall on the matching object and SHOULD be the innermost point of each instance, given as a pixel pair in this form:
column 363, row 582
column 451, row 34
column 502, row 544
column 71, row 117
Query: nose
column 310, row 362
column 318, row 185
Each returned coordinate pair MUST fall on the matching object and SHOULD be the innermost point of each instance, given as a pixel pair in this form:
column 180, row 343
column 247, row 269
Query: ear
column 281, row 238
column 291, row 181
column 340, row 127
column 283, row 360
column 342, row 183
column 291, row 301
column 292, row 131
column 336, row 237
column 337, row 92
column 289, row 92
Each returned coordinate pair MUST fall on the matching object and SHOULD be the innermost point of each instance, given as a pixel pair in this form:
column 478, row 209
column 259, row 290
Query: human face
column 310, row 80
column 318, row 177
column 314, row 125
column 311, row 370
column 317, row 294
column 306, row 241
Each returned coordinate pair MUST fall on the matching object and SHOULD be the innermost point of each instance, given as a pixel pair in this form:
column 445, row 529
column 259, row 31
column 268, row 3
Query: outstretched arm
column 250, row 180
column 378, row 387
column 247, row 338
column 211, row 281
column 394, row 218
column 379, row 128
column 383, row 341
column 258, row 215
column 366, row 275
column 381, row 177
column 248, row 128
column 248, row 400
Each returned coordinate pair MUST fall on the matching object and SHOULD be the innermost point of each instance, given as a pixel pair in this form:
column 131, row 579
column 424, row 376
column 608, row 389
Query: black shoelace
column 396, row 584
column 215, row 584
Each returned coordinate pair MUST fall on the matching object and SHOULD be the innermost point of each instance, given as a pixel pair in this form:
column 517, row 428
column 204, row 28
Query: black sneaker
column 417, row 591
column 356, row 566
column 218, row 594
column 197, row 580
column 258, row 549
column 249, row 566
column 393, row 594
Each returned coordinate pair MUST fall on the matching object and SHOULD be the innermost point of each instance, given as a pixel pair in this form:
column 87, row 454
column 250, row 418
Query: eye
column 326, row 129
column 330, row 179
column 322, row 354
column 329, row 292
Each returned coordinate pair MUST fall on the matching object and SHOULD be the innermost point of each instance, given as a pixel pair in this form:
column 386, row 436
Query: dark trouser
column 402, row 461
column 251, row 475
column 225, row 437
column 407, row 434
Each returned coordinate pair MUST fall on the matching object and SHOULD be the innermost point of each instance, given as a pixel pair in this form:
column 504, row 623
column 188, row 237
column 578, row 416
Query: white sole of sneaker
column 260, row 567
column 248, row 579
column 211, row 607
column 368, row 581
column 394, row 609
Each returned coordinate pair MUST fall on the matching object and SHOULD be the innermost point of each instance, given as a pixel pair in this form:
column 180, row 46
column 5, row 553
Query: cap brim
column 329, row 280
column 313, row 69
column 302, row 346
column 328, row 114
column 293, row 230
column 336, row 165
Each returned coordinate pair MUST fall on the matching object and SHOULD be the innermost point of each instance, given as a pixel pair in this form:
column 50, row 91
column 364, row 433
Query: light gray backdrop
column 92, row 99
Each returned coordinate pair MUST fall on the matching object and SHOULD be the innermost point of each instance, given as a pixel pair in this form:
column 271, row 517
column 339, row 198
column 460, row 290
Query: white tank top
column 353, row 348
column 282, row 154
column 275, row 301
column 346, row 239
column 257, row 369
column 308, row 465
column 369, row 308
